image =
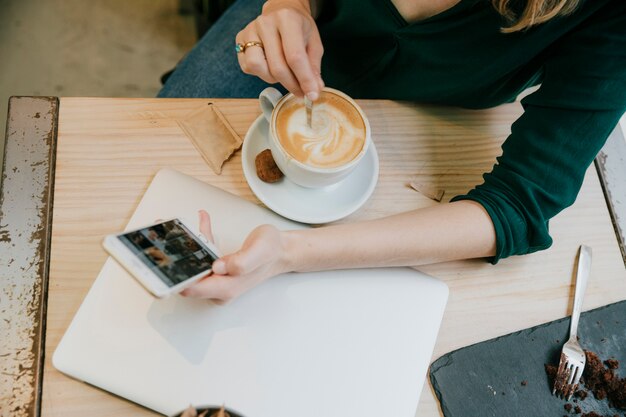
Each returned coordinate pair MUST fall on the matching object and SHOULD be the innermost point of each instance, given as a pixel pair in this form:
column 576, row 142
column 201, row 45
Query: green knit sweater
column 461, row 58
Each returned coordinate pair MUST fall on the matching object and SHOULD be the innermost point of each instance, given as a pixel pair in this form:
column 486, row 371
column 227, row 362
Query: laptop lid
column 337, row 343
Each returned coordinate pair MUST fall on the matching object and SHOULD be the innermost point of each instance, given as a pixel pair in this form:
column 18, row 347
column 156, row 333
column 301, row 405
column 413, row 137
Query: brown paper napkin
column 212, row 135
column 427, row 190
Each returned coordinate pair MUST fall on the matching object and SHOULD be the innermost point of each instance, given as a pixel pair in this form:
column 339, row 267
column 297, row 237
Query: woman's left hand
column 260, row 257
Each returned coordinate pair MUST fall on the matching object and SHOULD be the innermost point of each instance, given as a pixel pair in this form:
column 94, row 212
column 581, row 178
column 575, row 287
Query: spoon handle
column 309, row 111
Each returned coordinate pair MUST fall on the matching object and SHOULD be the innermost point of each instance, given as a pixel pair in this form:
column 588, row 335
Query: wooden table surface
column 109, row 150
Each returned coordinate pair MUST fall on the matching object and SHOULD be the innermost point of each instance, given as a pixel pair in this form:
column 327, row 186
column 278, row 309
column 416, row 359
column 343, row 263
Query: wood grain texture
column 109, row 150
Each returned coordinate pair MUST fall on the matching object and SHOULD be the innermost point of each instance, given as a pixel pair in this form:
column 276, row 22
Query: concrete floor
column 110, row 48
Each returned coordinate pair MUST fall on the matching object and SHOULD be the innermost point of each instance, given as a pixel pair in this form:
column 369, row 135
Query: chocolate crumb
column 582, row 394
column 551, row 371
column 612, row 363
column 603, row 381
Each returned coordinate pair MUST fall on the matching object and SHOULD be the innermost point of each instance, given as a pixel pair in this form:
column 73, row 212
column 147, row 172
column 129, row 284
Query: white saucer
column 308, row 205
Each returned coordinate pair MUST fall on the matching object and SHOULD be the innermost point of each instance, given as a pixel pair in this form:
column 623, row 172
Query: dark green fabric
column 461, row 58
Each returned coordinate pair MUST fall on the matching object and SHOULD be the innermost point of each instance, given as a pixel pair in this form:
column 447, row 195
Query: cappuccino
column 336, row 137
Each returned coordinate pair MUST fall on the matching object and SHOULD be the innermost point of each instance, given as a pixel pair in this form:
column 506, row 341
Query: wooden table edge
column 26, row 194
column 611, row 166
column 41, row 146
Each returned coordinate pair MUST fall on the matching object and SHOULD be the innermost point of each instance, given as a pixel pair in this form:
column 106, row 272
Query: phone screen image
column 170, row 250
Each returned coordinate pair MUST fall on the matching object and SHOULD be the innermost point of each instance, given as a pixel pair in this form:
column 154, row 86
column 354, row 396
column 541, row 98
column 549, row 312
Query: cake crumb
column 601, row 379
column 612, row 363
column 582, row 394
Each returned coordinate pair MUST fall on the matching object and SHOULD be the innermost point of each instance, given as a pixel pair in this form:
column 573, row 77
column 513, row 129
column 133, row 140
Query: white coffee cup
column 306, row 174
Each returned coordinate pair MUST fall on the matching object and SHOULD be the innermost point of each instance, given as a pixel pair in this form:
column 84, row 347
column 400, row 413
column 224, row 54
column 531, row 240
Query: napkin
column 427, row 190
column 211, row 134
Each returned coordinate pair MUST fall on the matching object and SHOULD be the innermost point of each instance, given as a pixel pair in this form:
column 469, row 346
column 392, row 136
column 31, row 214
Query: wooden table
column 107, row 151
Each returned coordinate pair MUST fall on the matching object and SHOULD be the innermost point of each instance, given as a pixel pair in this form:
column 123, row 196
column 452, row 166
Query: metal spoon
column 309, row 111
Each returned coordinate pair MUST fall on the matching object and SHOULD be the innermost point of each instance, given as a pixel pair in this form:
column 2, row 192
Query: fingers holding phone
column 260, row 257
column 165, row 257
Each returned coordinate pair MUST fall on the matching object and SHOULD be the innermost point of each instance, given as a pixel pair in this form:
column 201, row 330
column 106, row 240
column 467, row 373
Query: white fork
column 573, row 358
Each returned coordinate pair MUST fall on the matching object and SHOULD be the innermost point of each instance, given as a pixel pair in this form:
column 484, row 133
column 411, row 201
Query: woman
column 469, row 53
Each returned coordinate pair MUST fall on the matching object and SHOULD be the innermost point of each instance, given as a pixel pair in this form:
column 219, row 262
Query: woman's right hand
column 262, row 256
column 292, row 49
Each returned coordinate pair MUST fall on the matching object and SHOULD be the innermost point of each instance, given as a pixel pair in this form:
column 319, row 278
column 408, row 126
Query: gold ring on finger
column 241, row 47
column 252, row 43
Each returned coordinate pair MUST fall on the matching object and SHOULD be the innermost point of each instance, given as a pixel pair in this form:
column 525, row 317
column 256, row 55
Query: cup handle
column 268, row 100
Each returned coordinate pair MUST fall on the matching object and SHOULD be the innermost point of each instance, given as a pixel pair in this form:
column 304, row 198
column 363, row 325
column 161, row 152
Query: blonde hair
column 535, row 12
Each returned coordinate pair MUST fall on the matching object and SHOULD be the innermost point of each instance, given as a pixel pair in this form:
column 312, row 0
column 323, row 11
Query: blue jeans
column 211, row 69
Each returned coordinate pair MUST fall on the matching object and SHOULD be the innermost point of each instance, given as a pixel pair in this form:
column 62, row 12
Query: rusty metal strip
column 611, row 167
column 26, row 191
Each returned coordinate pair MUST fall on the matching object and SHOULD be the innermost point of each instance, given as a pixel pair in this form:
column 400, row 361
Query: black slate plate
column 486, row 379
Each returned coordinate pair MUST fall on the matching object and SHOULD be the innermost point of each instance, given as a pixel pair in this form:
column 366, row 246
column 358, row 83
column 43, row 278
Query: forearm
column 460, row 230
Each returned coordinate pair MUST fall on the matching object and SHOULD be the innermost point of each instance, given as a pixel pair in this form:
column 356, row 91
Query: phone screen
column 170, row 250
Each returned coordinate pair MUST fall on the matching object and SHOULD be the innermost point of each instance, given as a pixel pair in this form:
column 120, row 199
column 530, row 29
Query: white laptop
column 342, row 343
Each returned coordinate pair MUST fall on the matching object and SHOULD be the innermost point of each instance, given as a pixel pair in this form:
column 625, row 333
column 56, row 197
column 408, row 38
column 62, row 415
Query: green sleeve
column 564, row 125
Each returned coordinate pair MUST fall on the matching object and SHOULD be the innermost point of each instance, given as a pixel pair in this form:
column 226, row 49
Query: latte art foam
column 336, row 137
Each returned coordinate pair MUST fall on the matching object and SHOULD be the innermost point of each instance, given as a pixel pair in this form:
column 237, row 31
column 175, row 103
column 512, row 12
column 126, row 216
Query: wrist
column 301, row 5
column 291, row 259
